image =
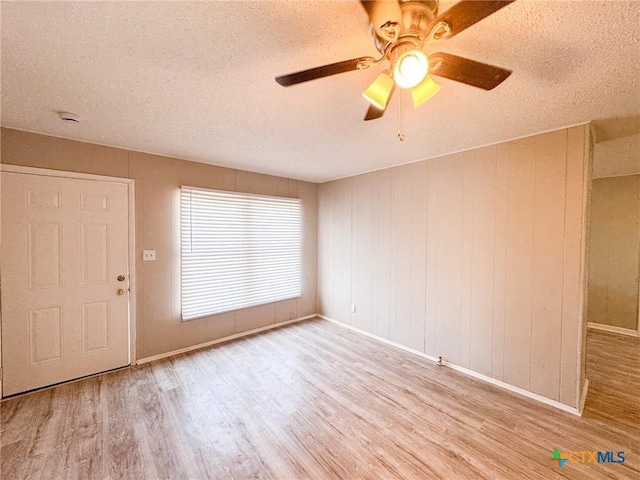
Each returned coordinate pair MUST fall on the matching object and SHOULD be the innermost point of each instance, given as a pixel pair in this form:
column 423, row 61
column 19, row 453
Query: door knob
column 121, row 278
column 121, row 291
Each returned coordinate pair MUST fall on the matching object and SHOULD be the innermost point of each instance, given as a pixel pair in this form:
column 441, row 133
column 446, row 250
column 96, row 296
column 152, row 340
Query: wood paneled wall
column 478, row 257
column 614, row 251
column 157, row 196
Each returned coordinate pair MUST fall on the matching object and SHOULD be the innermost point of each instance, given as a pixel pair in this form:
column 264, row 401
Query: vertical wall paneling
column 363, row 264
column 324, row 255
column 346, row 258
column 402, row 279
column 308, row 194
column 500, row 262
column 573, row 276
column 431, row 169
column 395, row 242
column 483, row 224
column 548, row 256
column 335, row 279
column 468, row 159
column 476, row 257
column 418, row 238
column 337, row 238
column 383, row 195
column 450, row 225
column 588, row 134
column 404, row 258
column 519, row 268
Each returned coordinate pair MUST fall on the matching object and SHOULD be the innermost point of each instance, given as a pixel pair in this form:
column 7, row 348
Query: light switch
column 149, row 255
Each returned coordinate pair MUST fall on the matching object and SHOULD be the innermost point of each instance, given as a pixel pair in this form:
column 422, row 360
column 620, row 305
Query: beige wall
column 614, row 250
column 157, row 181
column 620, row 156
column 478, row 257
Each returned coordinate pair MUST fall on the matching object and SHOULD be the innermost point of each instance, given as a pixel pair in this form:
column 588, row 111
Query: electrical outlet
column 149, row 255
column 353, row 309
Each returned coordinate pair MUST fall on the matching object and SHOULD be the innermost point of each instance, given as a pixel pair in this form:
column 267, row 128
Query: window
column 238, row 250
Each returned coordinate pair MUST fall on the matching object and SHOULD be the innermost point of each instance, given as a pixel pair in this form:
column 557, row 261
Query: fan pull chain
column 401, row 135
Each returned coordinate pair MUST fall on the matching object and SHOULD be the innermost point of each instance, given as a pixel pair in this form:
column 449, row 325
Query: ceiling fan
column 401, row 30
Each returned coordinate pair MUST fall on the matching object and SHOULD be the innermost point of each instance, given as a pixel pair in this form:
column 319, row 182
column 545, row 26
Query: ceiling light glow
column 410, row 69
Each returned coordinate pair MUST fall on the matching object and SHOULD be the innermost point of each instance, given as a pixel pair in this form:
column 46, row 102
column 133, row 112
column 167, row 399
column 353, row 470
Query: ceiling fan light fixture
column 424, row 91
column 379, row 91
column 411, row 68
column 401, row 29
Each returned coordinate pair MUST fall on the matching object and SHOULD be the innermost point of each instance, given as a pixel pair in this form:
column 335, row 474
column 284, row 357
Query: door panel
column 44, row 254
column 65, row 241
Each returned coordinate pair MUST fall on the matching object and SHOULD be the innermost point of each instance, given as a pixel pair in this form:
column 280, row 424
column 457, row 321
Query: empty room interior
column 295, row 239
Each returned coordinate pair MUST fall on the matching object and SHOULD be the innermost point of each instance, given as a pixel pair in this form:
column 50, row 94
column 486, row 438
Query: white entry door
column 65, row 279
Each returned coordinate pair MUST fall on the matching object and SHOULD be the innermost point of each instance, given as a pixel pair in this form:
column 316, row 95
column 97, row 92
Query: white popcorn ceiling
column 196, row 80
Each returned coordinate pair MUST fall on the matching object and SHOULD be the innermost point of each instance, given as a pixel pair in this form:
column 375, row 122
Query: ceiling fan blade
column 324, row 71
column 467, row 71
column 374, row 112
column 467, row 13
column 381, row 12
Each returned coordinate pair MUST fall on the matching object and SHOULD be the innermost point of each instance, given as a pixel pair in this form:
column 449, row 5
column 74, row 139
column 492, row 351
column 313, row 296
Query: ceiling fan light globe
column 377, row 94
column 411, row 68
column 424, row 91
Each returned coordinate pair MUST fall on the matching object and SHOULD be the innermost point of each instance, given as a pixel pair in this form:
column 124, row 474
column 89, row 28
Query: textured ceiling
column 196, row 80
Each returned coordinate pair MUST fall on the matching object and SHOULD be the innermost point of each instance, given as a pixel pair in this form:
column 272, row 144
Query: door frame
column 131, row 233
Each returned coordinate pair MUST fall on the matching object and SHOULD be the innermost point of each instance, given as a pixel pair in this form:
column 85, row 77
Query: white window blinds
column 238, row 250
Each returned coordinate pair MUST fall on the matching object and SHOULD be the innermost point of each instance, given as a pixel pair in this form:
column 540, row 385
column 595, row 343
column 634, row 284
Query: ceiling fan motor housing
column 416, row 17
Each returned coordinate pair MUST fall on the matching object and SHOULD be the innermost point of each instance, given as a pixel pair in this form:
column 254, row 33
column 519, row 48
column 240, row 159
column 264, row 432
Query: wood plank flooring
column 315, row 401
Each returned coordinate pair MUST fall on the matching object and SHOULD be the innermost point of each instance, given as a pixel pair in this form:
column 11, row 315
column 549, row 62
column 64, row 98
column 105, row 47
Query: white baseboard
column 221, row 340
column 612, row 329
column 380, row 339
column 471, row 373
column 513, row 388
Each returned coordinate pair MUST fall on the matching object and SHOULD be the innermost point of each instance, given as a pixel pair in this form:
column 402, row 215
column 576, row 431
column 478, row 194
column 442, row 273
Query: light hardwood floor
column 313, row 400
